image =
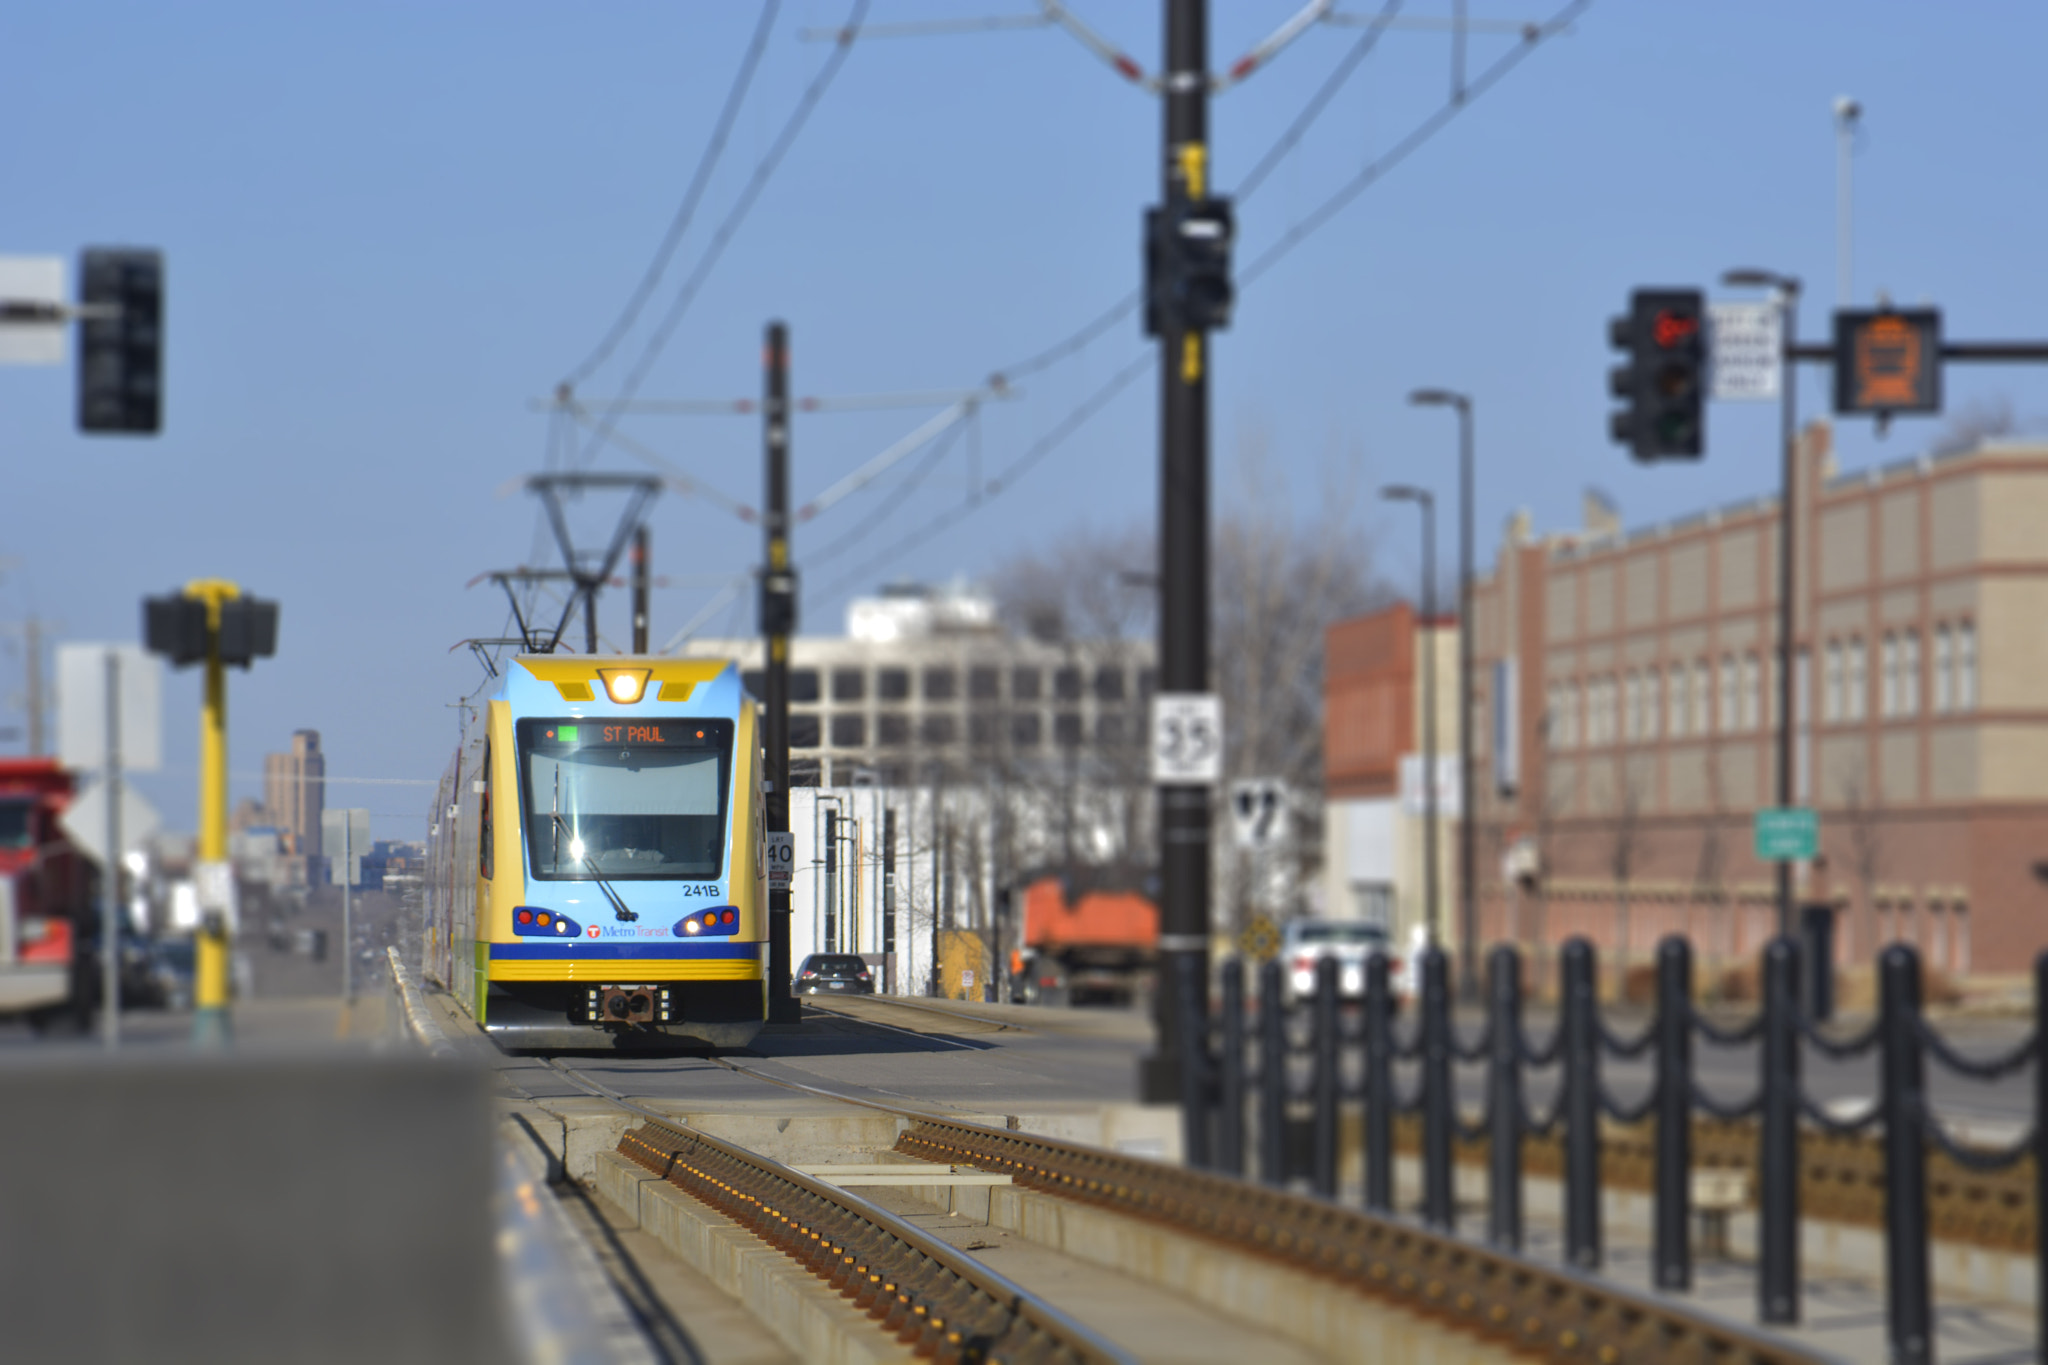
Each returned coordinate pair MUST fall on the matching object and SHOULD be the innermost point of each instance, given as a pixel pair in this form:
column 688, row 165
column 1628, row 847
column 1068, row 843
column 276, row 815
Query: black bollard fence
column 1230, row 1074
column 1437, row 1099
column 1272, row 1077
column 1379, row 1086
column 1323, row 1168
column 1778, row 1139
column 1504, row 1098
column 1674, row 1114
column 1194, row 1061
column 1909, row 1317
column 1581, row 1058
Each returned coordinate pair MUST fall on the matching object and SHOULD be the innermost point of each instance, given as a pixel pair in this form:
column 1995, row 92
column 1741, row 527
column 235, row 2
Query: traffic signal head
column 1661, row 385
column 248, row 630
column 175, row 627
column 121, row 355
column 1187, row 266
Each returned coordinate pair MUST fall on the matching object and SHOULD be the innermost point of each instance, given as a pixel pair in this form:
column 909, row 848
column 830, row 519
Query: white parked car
column 1306, row 942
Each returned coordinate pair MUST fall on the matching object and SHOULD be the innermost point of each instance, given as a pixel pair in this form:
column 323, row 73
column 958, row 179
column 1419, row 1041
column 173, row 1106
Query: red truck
column 45, row 898
column 1098, row 948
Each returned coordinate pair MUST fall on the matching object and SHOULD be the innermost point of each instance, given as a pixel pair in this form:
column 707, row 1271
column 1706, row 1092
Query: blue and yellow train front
column 620, row 865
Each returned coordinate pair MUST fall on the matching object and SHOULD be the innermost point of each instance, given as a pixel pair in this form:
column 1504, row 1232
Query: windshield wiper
column 619, row 907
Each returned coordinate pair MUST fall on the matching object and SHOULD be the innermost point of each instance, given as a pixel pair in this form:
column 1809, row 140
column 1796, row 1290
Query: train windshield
column 622, row 801
column 17, row 823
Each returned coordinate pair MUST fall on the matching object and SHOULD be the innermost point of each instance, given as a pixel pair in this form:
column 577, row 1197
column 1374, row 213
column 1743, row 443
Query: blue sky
column 389, row 227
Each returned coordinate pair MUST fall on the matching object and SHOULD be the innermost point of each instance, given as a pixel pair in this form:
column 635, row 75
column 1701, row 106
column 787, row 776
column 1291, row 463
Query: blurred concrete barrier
column 304, row 1207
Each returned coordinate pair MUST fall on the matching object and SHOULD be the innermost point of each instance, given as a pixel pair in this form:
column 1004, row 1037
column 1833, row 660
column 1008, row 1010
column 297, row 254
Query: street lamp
column 1786, row 287
column 1401, row 492
column 1468, row 846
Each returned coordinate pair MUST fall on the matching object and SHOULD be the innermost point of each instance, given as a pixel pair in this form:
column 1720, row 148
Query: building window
column 849, row 732
column 1066, row 684
column 1109, row 684
column 1026, row 730
column 939, row 731
column 1628, row 705
column 1909, row 673
column 1066, row 728
column 1959, row 938
column 849, row 684
column 984, row 683
column 803, row 684
column 1857, row 685
column 941, row 684
column 1725, row 717
column 893, row 684
column 1944, row 681
column 1752, row 691
column 982, row 730
column 1937, row 936
column 1831, row 698
column 803, row 728
column 1888, row 676
column 1024, row 684
column 892, row 730
column 1675, row 695
column 1966, row 667
column 1653, row 702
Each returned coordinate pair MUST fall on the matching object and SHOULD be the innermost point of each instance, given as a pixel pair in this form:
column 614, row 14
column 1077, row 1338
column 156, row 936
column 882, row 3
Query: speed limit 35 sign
column 1187, row 739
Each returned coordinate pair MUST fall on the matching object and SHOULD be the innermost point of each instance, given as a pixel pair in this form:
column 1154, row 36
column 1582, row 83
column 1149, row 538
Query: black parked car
column 834, row 974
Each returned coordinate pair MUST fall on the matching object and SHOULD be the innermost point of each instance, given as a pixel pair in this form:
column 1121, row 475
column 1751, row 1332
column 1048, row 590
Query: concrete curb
column 805, row 1314
column 413, row 1005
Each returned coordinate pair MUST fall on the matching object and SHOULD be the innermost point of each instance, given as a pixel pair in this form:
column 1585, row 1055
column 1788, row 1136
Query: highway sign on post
column 1187, row 739
column 1258, row 813
column 1746, row 348
column 781, row 859
column 32, row 321
column 344, row 839
column 1787, row 834
column 82, row 707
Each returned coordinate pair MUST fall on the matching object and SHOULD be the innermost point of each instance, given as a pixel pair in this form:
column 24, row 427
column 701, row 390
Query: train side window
column 485, row 862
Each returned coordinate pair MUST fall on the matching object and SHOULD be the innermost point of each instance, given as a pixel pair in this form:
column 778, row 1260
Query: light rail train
column 598, row 866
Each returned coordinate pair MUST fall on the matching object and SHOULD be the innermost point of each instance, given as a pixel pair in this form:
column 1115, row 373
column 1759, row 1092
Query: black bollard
column 1674, row 1114
column 1504, row 1098
column 1437, row 1099
column 1581, row 1058
column 1777, row 1164
column 1379, row 1086
column 1230, row 1118
column 1323, row 1172
column 1194, row 1055
column 1272, row 1077
column 1909, row 1311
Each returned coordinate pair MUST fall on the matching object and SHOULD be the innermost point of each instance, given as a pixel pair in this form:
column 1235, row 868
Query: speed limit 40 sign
column 781, row 859
column 1187, row 739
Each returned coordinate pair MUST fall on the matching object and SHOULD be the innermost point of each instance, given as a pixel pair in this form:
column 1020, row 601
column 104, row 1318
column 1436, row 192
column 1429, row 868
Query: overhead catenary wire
column 1318, row 102
column 856, row 534
column 707, row 163
column 764, row 170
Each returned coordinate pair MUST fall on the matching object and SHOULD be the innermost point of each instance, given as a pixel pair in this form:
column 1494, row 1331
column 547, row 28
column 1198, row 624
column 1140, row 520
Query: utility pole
column 1184, row 858
column 778, row 623
column 889, row 900
column 640, row 588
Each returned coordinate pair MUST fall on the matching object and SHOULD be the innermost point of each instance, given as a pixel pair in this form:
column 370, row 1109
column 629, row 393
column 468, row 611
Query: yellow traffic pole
column 215, row 877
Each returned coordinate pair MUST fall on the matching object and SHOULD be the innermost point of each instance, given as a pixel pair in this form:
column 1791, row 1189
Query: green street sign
column 1788, row 834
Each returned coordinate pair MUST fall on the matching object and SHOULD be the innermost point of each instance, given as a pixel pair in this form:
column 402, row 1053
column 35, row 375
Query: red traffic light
column 1671, row 329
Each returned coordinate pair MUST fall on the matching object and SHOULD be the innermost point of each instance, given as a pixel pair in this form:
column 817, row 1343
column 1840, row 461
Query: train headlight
column 624, row 685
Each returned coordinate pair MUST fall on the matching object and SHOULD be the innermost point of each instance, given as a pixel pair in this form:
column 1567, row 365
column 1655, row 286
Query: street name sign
column 1746, row 351
column 1787, row 834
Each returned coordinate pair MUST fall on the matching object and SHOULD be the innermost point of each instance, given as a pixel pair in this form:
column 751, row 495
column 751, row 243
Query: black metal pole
column 1788, row 537
column 1379, row 1087
column 1183, row 548
column 2040, row 1149
column 1230, row 1119
column 1437, row 1098
column 1504, row 1099
column 1323, row 1165
column 1909, row 1311
column 831, row 887
column 1674, row 1113
column 1431, row 870
column 1194, row 1056
column 1778, row 1139
column 778, row 623
column 889, row 900
column 1581, row 1024
column 1272, row 1077
column 1468, row 797
column 640, row 586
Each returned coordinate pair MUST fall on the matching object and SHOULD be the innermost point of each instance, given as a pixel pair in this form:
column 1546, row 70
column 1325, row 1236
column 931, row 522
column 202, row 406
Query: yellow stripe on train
column 629, row 969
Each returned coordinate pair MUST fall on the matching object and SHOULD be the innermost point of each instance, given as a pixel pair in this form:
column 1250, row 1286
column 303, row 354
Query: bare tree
column 1976, row 421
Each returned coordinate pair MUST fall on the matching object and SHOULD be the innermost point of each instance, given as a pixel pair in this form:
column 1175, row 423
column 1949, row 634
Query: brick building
column 1627, row 713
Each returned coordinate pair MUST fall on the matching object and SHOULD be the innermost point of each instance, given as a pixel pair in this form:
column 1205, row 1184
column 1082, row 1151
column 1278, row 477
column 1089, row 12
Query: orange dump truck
column 1096, row 948
column 44, row 896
